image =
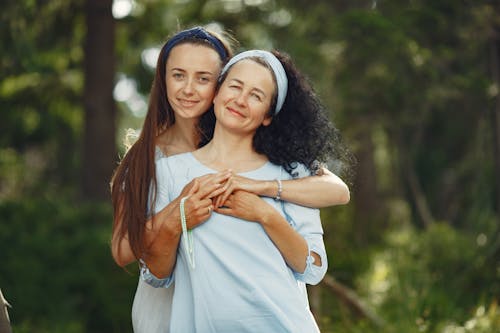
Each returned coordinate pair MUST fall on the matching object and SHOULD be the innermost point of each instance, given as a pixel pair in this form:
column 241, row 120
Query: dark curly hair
column 300, row 133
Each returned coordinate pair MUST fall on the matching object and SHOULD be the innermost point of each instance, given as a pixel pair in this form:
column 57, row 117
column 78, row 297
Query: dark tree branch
column 353, row 302
column 4, row 315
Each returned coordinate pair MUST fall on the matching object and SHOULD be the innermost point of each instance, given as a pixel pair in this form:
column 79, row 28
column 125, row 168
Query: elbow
column 342, row 195
column 117, row 258
column 119, row 261
column 313, row 274
column 345, row 196
column 121, row 258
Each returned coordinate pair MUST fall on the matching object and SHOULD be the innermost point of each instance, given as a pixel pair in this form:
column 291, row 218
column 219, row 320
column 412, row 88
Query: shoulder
column 299, row 170
column 296, row 170
column 159, row 153
column 164, row 160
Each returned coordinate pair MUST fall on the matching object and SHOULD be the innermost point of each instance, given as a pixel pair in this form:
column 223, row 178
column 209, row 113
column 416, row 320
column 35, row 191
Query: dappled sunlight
column 484, row 320
column 126, row 91
column 379, row 279
column 280, row 18
column 122, row 8
column 149, row 57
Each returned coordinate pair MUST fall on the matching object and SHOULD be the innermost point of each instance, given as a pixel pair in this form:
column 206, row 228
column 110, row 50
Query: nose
column 241, row 99
column 188, row 87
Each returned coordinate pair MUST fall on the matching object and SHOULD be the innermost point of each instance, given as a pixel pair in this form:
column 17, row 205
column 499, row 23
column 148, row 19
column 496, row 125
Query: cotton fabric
column 241, row 282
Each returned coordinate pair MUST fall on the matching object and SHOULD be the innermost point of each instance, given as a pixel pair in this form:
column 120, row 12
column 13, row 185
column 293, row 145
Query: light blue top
column 240, row 282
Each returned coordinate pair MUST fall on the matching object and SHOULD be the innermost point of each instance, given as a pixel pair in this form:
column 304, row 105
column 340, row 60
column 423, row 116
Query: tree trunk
column 420, row 200
column 99, row 149
column 367, row 203
column 495, row 69
column 4, row 315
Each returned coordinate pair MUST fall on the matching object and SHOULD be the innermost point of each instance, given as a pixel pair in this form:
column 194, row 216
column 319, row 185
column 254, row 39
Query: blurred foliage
column 57, row 269
column 409, row 84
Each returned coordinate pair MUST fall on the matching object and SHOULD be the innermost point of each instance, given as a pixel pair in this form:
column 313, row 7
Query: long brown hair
column 133, row 184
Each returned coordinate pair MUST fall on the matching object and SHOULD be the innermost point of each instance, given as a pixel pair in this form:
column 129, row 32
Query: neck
column 229, row 150
column 181, row 137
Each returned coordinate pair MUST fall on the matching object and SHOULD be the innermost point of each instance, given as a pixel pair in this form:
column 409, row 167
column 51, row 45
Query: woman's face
column 244, row 98
column 191, row 76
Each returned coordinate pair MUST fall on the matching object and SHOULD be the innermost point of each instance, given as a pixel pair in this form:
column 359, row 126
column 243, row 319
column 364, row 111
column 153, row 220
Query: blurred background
column 413, row 85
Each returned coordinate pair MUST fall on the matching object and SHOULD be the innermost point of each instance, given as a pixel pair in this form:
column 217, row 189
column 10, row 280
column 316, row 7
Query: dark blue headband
column 195, row 33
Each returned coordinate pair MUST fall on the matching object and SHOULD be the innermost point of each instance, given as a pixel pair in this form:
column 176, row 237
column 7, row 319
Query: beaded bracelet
column 187, row 235
column 280, row 188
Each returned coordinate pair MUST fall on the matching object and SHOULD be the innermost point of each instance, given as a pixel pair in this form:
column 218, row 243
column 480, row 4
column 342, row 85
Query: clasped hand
column 225, row 192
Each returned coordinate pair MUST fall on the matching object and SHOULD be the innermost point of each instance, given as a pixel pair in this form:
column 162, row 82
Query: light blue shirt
column 241, row 282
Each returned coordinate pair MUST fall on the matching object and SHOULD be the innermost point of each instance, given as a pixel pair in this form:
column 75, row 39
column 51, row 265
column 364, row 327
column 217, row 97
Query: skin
column 191, row 76
column 241, row 106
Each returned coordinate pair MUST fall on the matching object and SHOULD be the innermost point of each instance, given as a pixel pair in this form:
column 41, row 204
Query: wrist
column 268, row 216
column 279, row 190
column 269, row 188
column 171, row 219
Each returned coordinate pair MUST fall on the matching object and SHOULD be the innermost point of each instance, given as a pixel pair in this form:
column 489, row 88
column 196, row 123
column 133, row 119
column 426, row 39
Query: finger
column 226, row 194
column 219, row 177
column 228, row 203
column 195, row 187
column 219, row 202
column 215, row 193
column 209, row 191
column 228, row 189
column 222, row 176
column 223, row 210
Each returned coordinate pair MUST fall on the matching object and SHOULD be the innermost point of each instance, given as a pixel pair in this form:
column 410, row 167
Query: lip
column 186, row 102
column 236, row 113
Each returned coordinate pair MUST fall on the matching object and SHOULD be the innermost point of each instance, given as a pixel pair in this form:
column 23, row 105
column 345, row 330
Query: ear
column 267, row 121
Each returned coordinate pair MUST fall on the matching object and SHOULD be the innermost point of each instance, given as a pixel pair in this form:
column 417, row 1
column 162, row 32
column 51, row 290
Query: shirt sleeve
column 306, row 221
column 151, row 279
column 163, row 183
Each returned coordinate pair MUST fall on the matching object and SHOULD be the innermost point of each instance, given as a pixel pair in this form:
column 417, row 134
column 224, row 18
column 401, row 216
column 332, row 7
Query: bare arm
column 163, row 231
column 120, row 247
column 317, row 191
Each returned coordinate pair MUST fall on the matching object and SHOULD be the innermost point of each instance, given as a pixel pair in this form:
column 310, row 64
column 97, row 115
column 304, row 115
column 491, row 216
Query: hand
column 199, row 192
column 235, row 183
column 245, row 205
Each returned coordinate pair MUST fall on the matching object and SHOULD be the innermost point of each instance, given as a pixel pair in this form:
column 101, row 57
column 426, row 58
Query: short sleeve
column 306, row 221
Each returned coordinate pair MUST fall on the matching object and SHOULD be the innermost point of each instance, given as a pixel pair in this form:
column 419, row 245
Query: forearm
column 292, row 246
column 318, row 191
column 162, row 241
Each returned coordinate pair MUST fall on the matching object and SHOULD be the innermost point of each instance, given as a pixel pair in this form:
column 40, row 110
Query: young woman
column 183, row 89
column 243, row 268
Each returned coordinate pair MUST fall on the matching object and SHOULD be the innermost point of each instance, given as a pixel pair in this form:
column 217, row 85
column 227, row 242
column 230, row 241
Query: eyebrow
column 198, row 72
column 254, row 88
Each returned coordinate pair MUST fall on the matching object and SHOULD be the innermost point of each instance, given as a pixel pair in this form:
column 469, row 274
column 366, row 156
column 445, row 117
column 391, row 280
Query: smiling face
column 244, row 98
column 191, row 76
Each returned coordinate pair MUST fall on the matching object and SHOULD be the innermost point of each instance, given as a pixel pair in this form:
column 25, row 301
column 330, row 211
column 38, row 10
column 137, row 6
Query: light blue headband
column 276, row 66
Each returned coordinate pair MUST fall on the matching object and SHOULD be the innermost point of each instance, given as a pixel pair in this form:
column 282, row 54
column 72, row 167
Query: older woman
column 244, row 268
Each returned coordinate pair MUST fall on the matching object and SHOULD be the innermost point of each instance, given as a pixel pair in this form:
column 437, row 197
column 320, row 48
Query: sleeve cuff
column 151, row 279
column 313, row 274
